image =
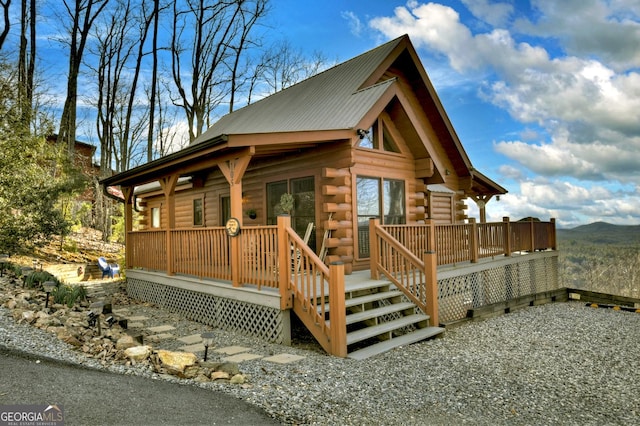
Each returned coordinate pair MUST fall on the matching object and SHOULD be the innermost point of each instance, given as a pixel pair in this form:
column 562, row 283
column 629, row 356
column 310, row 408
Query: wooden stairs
column 379, row 318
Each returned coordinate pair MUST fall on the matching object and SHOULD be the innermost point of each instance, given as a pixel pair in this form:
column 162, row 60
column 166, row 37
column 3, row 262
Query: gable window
column 304, row 205
column 198, row 211
column 155, row 217
column 380, row 198
column 379, row 132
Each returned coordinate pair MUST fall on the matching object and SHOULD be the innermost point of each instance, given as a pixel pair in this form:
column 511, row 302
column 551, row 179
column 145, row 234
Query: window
column 379, row 198
column 370, row 138
column 225, row 209
column 155, row 217
column 304, row 205
column 198, row 212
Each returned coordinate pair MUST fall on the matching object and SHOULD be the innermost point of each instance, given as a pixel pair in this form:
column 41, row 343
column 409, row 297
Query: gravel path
column 557, row 364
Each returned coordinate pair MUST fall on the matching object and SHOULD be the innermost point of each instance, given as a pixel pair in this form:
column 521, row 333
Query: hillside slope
column 602, row 233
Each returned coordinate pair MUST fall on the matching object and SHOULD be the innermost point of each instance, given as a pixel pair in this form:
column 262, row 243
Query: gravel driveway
column 556, row 364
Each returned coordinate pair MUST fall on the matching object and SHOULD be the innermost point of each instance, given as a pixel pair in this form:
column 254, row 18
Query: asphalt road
column 92, row 397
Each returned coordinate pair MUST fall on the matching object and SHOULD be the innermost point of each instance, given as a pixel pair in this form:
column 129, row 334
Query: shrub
column 69, row 295
column 36, row 278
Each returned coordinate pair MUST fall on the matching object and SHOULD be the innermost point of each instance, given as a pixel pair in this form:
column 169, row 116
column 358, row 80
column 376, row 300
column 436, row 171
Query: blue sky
column 544, row 95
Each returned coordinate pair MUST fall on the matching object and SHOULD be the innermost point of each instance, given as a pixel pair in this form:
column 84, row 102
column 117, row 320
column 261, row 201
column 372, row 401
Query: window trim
column 200, row 198
column 155, row 211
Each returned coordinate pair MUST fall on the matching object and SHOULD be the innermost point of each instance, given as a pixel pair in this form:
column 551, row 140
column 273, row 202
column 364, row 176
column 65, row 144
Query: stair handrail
column 306, row 286
column 404, row 269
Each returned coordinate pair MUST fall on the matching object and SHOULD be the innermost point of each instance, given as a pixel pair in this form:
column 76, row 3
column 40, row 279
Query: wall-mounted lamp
column 362, row 133
column 497, row 198
column 447, row 172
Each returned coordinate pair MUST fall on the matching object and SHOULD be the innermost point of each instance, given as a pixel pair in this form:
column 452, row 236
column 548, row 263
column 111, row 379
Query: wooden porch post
column 338, row 310
column 431, row 286
column 168, row 185
column 474, row 240
column 374, row 255
column 284, row 260
column 128, row 220
column 233, row 170
column 507, row 236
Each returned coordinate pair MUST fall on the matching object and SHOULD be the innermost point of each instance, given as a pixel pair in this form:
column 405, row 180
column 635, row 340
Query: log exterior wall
column 335, row 167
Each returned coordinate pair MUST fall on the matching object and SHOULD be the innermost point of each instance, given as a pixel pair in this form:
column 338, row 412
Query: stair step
column 374, row 297
column 378, row 312
column 387, row 345
column 385, row 327
column 366, row 285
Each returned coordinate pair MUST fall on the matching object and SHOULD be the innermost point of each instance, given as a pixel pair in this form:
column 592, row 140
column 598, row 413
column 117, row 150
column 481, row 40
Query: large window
column 380, row 198
column 304, row 204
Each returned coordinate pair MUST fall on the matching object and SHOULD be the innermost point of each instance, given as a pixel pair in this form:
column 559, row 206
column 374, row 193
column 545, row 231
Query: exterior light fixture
column 362, row 133
column 95, row 311
column 207, row 340
column 48, row 288
column 25, row 273
column 4, row 259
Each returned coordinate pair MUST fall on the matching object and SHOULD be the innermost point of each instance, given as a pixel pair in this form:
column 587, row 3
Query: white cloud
column 609, row 30
column 496, row 14
column 354, row 23
column 570, row 204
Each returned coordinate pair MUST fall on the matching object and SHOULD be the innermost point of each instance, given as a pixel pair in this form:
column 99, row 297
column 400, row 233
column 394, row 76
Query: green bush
column 36, row 279
column 69, row 295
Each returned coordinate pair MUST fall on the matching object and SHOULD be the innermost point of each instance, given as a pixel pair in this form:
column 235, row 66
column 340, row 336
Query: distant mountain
column 602, row 233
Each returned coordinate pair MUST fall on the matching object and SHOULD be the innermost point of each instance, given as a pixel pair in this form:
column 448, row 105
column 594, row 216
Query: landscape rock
column 238, row 379
column 126, row 342
column 176, row 362
column 28, row 316
column 138, row 353
column 220, row 375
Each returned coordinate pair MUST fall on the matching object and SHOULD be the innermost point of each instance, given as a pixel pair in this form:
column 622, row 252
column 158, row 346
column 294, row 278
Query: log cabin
column 379, row 183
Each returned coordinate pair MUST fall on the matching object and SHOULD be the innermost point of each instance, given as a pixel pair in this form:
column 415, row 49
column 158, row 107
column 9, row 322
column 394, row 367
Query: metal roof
column 331, row 100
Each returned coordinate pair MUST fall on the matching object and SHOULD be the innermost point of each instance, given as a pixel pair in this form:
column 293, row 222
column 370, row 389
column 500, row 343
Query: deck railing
column 415, row 277
column 473, row 241
column 147, row 249
column 314, row 287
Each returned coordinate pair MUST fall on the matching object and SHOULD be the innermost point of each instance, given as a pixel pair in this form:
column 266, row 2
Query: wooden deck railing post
column 338, row 310
column 532, row 233
column 552, row 241
column 507, row 236
column 374, row 253
column 284, row 262
column 431, row 286
column 474, row 239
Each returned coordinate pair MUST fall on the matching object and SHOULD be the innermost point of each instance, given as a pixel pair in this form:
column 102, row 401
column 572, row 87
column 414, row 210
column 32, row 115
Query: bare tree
column 83, row 13
column 154, row 78
column 26, row 61
column 249, row 19
column 283, row 66
column 7, row 23
column 212, row 29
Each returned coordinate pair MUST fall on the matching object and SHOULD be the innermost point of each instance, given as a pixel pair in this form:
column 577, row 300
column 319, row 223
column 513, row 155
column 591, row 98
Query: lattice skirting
column 496, row 284
column 255, row 320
